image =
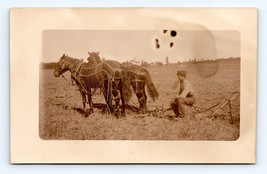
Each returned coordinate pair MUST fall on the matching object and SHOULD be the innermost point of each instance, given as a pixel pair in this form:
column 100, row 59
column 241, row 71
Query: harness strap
column 111, row 69
column 96, row 72
column 83, row 75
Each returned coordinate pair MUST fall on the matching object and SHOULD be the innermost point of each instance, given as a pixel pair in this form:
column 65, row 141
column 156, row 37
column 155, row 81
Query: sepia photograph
column 140, row 85
column 143, row 85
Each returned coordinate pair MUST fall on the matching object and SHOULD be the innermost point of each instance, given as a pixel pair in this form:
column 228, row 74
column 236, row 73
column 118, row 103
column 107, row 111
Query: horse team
column 115, row 80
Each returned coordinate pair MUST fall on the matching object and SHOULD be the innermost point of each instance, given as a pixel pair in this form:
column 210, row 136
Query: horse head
column 94, row 58
column 61, row 66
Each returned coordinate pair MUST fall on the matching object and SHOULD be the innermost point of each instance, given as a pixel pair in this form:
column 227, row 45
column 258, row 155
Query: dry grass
column 212, row 84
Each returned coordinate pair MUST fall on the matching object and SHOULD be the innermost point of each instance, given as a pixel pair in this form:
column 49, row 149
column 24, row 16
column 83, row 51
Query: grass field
column 212, row 83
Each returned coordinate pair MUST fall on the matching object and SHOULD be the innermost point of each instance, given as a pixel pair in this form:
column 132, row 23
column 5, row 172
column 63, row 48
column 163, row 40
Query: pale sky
column 122, row 45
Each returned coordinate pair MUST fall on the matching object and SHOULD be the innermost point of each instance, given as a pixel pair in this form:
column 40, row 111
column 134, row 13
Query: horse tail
column 151, row 89
column 126, row 85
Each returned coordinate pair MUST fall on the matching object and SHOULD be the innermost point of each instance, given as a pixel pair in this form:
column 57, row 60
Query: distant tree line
column 191, row 61
column 197, row 61
column 52, row 65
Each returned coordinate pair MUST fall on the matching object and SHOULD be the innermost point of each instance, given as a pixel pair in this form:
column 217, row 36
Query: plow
column 211, row 112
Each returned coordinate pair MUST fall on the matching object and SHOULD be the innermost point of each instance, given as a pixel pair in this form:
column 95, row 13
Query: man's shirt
column 186, row 89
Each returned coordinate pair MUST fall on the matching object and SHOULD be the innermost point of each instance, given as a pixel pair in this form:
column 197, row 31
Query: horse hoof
column 104, row 110
column 86, row 114
column 91, row 111
column 116, row 115
column 141, row 112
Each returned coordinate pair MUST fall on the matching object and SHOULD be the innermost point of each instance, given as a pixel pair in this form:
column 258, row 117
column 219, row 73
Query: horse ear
column 89, row 53
column 63, row 55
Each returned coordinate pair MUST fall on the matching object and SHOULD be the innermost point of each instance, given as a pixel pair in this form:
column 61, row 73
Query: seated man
column 185, row 96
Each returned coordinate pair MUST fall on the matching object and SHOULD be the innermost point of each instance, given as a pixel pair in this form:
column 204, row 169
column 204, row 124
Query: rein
column 78, row 72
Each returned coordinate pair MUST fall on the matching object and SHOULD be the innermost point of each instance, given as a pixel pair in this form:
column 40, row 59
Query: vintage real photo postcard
column 133, row 85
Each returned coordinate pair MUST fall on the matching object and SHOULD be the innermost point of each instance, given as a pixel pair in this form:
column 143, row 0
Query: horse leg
column 122, row 99
column 85, row 104
column 87, row 108
column 107, row 94
column 141, row 95
column 144, row 96
column 134, row 84
column 90, row 102
column 116, row 96
column 83, row 100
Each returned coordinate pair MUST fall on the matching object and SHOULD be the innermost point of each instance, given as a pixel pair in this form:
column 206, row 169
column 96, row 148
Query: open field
column 212, row 83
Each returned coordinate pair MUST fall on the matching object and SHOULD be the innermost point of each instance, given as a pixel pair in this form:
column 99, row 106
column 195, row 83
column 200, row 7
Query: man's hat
column 181, row 73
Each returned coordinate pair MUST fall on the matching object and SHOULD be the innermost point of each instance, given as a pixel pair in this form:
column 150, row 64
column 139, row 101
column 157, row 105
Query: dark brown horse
column 109, row 76
column 139, row 78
